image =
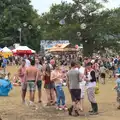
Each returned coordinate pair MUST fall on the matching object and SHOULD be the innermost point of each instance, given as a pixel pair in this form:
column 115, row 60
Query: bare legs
column 23, row 95
column 39, row 95
column 50, row 95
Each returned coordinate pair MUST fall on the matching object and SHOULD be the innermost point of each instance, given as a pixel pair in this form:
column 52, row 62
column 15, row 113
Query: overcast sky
column 44, row 5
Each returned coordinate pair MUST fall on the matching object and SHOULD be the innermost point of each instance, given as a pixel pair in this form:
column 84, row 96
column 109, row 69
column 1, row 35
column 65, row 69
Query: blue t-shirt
column 118, row 84
column 4, row 64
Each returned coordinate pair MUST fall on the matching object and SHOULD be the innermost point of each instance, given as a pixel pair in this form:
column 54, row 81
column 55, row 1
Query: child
column 117, row 88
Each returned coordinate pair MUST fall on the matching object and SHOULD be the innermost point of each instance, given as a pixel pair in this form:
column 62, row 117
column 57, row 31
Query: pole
column 20, row 37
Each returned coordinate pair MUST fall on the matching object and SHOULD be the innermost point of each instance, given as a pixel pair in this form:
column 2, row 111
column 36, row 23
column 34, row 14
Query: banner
column 47, row 44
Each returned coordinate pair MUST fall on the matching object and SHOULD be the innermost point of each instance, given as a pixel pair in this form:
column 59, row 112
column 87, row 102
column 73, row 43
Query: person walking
column 49, row 86
column 21, row 74
column 73, row 79
column 31, row 77
column 90, row 85
column 39, row 82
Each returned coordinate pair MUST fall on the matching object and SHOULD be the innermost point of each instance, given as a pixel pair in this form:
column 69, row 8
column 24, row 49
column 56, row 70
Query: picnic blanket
column 5, row 87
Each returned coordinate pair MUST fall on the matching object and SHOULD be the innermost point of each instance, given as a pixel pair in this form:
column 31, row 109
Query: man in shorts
column 21, row 74
column 31, row 78
column 73, row 79
column 39, row 82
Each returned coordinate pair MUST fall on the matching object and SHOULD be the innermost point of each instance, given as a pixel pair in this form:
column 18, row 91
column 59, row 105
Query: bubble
column 79, row 14
column 83, row 26
column 38, row 27
column 48, row 22
column 25, row 24
column 30, row 27
column 78, row 34
column 90, row 14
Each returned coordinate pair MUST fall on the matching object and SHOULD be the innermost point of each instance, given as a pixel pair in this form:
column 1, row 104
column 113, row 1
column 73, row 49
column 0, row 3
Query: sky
column 44, row 5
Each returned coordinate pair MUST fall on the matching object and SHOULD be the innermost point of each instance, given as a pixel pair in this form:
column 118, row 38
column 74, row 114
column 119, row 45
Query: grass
column 12, row 109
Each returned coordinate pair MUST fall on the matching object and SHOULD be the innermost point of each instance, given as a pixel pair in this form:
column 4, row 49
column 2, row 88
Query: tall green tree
column 97, row 31
column 15, row 14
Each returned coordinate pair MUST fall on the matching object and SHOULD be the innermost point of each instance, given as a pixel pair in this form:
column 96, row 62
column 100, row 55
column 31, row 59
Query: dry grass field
column 12, row 109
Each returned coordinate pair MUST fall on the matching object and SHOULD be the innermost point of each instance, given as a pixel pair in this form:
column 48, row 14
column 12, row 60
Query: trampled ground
column 12, row 109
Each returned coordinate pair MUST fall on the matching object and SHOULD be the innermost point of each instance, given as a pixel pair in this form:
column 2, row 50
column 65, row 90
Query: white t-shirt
column 82, row 70
column 28, row 63
column 90, row 84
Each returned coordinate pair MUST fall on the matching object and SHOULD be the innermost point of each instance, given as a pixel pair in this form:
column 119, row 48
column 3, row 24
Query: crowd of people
column 79, row 75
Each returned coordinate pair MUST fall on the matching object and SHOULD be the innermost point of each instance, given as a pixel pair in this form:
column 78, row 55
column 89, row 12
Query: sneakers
column 61, row 108
column 64, row 107
column 70, row 110
column 31, row 103
column 94, row 113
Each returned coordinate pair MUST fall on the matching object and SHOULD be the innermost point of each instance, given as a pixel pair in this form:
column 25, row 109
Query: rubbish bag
column 5, row 87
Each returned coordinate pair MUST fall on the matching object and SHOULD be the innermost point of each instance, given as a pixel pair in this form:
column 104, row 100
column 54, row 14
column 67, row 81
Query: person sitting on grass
column 117, row 88
column 7, row 76
column 16, row 81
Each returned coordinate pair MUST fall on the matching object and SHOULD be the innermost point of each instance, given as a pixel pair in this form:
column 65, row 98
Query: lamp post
column 25, row 25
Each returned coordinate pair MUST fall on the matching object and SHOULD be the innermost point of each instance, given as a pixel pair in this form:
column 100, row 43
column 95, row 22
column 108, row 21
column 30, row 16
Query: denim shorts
column 49, row 86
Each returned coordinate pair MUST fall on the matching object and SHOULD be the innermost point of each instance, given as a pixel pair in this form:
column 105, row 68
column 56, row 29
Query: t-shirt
column 118, row 84
column 4, row 62
column 27, row 63
column 92, row 79
column 82, row 70
column 74, row 79
column 102, row 69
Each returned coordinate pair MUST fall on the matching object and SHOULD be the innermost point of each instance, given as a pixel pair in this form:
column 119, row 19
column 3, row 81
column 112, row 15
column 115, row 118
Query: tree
column 14, row 15
column 100, row 26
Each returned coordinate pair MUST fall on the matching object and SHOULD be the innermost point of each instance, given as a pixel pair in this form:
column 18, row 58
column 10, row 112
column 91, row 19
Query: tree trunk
column 88, row 49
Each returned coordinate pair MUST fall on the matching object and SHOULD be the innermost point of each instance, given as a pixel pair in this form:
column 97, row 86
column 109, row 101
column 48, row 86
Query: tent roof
column 62, row 46
column 23, row 48
column 5, row 49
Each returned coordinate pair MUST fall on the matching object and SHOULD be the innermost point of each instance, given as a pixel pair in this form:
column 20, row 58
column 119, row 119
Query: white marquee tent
column 23, row 48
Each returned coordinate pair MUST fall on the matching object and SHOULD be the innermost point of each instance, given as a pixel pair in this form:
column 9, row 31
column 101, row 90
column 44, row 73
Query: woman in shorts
column 49, row 86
